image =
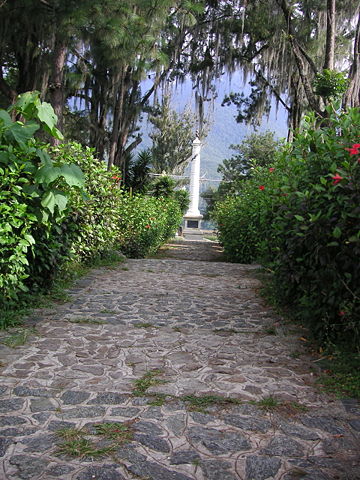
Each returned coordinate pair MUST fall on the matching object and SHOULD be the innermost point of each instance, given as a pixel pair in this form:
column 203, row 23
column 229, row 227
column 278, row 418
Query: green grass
column 213, row 238
column 83, row 447
column 86, row 321
column 80, row 443
column 18, row 338
column 271, row 330
column 108, row 259
column 268, row 403
column 202, row 402
column 143, row 325
column 224, row 331
column 341, row 374
column 120, row 432
column 146, row 381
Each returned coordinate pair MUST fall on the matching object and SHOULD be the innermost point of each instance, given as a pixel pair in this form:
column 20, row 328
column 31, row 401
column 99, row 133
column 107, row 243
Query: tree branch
column 273, row 89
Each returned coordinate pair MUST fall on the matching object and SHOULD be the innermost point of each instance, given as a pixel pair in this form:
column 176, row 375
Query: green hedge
column 59, row 205
column 302, row 219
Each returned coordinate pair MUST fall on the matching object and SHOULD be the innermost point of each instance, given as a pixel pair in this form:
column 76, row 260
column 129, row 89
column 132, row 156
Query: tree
column 297, row 42
column 256, row 149
column 172, row 138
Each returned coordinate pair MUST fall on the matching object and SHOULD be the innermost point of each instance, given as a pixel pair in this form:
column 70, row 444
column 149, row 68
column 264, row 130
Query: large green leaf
column 46, row 114
column 73, row 175
column 48, row 117
column 47, row 174
column 26, row 102
column 54, row 198
column 44, row 157
column 60, row 200
column 5, row 118
column 4, row 157
column 21, row 133
column 48, row 201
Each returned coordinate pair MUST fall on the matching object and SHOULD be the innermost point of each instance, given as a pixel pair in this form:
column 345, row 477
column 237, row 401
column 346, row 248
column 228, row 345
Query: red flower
column 354, row 150
column 337, row 178
column 271, row 169
column 341, row 313
column 115, row 177
column 261, row 187
column 147, row 226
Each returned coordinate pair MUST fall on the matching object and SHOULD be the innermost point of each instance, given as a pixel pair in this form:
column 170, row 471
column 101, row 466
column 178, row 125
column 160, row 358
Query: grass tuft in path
column 146, row 381
column 18, row 338
column 80, row 443
column 201, row 403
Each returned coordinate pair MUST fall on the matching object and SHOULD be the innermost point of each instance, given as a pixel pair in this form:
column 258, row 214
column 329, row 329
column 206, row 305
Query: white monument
column 193, row 216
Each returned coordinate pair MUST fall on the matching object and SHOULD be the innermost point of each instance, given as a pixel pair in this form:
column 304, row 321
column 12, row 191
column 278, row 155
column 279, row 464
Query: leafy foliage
column 34, row 191
column 172, row 138
column 62, row 204
column 330, row 84
column 146, row 223
column 302, row 217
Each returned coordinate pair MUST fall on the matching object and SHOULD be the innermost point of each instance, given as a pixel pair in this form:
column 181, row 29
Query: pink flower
column 337, row 178
column 341, row 313
column 271, row 169
column 261, row 187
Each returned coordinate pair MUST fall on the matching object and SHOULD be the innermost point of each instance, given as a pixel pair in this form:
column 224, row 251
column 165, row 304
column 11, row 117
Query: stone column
column 193, row 215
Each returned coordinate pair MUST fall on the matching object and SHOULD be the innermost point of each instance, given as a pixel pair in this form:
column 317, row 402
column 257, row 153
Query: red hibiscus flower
column 354, row 150
column 336, row 179
column 261, row 187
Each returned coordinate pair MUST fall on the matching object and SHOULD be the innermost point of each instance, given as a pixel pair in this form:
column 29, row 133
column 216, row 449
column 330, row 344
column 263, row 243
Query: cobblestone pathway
column 169, row 369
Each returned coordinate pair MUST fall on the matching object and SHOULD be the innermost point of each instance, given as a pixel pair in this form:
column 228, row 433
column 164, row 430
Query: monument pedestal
column 193, row 221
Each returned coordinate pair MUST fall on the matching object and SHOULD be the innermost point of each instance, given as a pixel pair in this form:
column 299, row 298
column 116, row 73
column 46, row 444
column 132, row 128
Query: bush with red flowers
column 304, row 224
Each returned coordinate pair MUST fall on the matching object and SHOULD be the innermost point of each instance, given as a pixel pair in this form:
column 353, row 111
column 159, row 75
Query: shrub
column 302, row 218
column 91, row 227
column 318, row 230
column 33, row 200
column 61, row 204
column 146, row 223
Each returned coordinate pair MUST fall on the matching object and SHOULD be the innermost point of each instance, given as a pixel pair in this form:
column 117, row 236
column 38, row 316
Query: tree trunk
column 329, row 62
column 57, row 84
column 117, row 113
column 352, row 95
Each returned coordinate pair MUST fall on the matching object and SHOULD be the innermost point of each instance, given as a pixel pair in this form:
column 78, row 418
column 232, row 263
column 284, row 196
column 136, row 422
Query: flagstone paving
column 134, row 347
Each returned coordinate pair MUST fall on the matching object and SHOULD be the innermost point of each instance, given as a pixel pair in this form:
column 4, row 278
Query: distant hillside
column 224, row 130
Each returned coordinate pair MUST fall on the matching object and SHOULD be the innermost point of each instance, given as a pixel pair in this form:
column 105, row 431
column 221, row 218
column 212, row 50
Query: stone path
column 168, row 369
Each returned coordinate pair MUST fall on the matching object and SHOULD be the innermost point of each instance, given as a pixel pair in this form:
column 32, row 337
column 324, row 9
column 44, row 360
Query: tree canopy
column 90, row 58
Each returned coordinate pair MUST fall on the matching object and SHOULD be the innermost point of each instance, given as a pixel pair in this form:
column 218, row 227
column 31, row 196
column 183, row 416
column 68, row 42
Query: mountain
column 224, row 130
